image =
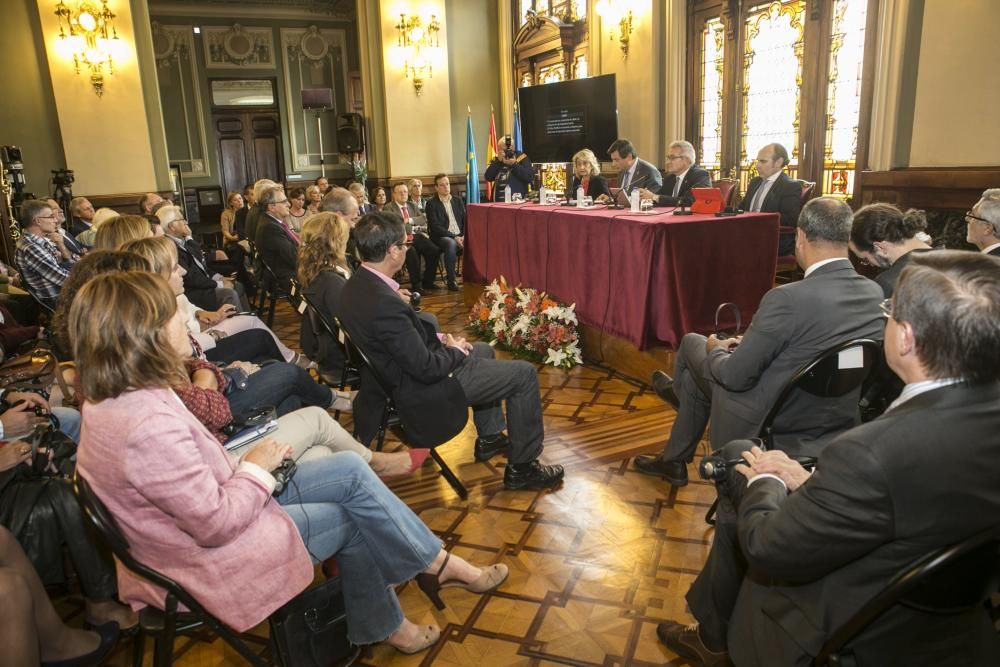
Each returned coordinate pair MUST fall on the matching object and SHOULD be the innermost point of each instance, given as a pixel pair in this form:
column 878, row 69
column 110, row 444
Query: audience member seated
column 427, row 369
column 297, row 212
column 82, row 213
column 256, row 210
column 421, row 246
column 115, row 232
column 983, row 223
column 148, row 202
column 513, row 169
column 240, row 218
column 313, row 198
column 632, row 172
column 446, row 224
column 815, row 548
column 735, row 381
column 322, row 184
column 587, row 175
column 361, row 195
column 101, row 215
column 172, row 489
column 31, row 631
column 42, row 256
column 43, row 515
column 885, row 237
column 206, row 290
column 345, row 203
column 210, row 329
column 69, row 239
column 277, row 244
column 379, row 198
column 773, row 191
column 682, row 175
column 416, row 190
column 230, row 236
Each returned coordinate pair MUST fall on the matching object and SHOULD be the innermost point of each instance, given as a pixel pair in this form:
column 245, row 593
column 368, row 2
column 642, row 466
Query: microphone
column 683, row 202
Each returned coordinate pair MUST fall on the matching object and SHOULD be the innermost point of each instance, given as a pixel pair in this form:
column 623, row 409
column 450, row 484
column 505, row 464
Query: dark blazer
column 793, row 325
column 696, row 177
column 407, row 354
column 437, row 217
column 72, row 244
column 645, row 176
column 518, row 175
column 920, row 477
column 277, row 248
column 995, row 252
column 784, row 198
column 597, row 186
column 77, row 226
column 240, row 222
column 324, row 293
column 199, row 287
column 253, row 217
column 416, row 217
column 887, row 279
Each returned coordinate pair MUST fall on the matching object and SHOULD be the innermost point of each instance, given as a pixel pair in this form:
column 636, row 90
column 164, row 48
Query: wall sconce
column 87, row 33
column 621, row 13
column 420, row 47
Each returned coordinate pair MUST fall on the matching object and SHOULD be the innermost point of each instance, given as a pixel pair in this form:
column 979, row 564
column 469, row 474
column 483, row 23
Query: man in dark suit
column 256, row 211
column 277, row 245
column 773, row 191
column 432, row 371
column 633, row 173
column 81, row 213
column 72, row 244
column 421, row 246
column 923, row 476
column 983, row 223
column 737, row 380
column 446, row 223
column 509, row 167
column 361, row 196
column 682, row 175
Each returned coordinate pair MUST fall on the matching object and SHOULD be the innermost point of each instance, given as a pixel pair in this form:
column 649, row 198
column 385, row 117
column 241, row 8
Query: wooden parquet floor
column 594, row 565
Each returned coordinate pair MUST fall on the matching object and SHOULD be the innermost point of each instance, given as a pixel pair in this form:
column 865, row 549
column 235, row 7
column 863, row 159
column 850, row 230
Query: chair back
column 727, row 187
column 947, row 581
column 359, row 359
column 825, row 377
column 807, row 190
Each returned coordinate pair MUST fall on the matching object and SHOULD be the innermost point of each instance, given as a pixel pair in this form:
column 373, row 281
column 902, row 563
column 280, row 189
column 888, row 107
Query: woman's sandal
column 428, row 637
column 431, row 584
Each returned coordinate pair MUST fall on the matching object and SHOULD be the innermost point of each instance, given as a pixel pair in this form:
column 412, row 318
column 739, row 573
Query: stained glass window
column 847, row 50
column 580, row 67
column 552, row 73
column 772, row 61
column 577, row 9
column 712, row 59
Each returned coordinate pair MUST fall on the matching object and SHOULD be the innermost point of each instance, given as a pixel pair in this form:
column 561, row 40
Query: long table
column 647, row 279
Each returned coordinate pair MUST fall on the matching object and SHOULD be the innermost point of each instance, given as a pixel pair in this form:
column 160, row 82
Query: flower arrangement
column 528, row 323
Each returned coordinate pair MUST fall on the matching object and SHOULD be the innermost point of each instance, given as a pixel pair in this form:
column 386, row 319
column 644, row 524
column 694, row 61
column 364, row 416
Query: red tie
column 406, row 213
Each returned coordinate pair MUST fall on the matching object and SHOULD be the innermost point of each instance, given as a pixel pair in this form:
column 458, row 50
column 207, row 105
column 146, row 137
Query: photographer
column 511, row 168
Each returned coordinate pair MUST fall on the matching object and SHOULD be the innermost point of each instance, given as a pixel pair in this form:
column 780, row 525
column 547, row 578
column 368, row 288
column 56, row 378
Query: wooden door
column 249, row 147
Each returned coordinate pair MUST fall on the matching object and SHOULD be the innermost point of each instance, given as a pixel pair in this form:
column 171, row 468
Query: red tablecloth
column 647, row 279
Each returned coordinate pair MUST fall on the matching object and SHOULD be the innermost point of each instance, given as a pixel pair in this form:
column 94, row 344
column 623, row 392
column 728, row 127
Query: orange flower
column 548, row 303
column 484, row 314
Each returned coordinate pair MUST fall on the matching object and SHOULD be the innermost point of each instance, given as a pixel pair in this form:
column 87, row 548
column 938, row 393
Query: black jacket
column 276, row 248
column 784, row 198
column 437, row 217
column 597, row 186
column 696, row 177
column 518, row 176
column 199, row 287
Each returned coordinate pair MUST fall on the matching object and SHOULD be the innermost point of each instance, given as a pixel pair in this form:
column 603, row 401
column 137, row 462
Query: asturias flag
column 517, row 130
column 471, row 168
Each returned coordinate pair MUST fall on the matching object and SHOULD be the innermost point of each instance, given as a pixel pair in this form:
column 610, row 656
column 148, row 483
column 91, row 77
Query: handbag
column 310, row 630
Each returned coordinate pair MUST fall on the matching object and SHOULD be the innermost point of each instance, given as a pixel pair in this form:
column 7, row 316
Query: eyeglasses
column 675, row 157
column 400, row 244
column 283, row 201
column 47, row 217
column 886, row 308
column 968, row 216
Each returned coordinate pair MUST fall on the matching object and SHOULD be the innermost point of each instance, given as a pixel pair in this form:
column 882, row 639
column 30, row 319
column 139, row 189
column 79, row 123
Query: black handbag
column 310, row 630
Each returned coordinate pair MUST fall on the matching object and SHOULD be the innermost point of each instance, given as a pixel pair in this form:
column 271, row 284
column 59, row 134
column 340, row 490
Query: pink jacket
column 187, row 511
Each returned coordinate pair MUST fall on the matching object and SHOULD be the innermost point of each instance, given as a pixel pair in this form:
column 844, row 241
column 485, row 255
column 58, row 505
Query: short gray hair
column 826, row 220
column 31, row 209
column 687, row 150
column 269, row 195
column 338, row 200
column 167, row 215
column 260, row 186
column 989, row 207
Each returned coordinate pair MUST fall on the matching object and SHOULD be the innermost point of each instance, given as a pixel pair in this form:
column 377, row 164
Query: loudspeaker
column 350, row 133
column 317, row 98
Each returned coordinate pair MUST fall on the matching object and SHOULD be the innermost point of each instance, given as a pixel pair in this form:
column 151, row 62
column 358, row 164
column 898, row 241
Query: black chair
column 164, row 624
column 821, row 377
column 390, row 416
column 350, row 376
column 946, row 582
column 270, row 290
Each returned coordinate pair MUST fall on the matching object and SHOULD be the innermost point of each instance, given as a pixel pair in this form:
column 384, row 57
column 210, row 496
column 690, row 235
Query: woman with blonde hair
column 587, row 174
column 173, row 489
column 112, row 233
column 313, row 198
column 323, row 271
column 100, row 216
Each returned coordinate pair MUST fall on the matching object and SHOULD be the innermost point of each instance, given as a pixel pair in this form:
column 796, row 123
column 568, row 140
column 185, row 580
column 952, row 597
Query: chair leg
column 138, row 648
column 449, row 476
column 270, row 310
column 710, row 514
column 163, row 644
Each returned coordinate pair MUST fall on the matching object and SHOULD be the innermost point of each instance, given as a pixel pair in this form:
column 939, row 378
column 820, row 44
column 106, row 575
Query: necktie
column 758, row 197
column 626, row 181
column 406, row 213
column 677, row 186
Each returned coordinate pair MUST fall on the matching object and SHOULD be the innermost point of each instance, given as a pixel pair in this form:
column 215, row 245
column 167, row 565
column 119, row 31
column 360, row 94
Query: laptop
column 707, row 200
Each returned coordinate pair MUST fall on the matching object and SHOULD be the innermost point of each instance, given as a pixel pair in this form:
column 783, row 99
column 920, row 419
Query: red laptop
column 707, row 200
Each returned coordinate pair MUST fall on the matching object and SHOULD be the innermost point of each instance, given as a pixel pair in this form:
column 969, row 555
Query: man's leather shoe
column 685, row 641
column 531, row 475
column 452, row 286
column 487, row 449
column 430, row 286
column 663, row 384
column 674, row 471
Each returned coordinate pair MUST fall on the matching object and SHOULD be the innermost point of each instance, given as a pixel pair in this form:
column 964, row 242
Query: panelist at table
column 632, row 172
column 682, row 175
column 587, row 174
column 774, row 191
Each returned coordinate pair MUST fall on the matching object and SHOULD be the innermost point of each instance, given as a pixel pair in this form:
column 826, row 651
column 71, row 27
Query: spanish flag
column 471, row 168
column 491, row 152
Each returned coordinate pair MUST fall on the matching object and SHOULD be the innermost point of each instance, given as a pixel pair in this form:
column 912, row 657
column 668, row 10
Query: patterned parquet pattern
column 594, row 565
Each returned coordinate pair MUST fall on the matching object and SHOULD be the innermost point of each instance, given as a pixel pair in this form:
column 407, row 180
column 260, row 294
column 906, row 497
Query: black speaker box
column 350, row 133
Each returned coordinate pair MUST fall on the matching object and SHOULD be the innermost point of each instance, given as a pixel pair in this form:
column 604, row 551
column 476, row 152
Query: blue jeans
column 69, row 422
column 449, row 248
column 285, row 386
column 341, row 508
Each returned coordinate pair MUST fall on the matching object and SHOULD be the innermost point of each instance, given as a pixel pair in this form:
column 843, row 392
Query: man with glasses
column 277, row 244
column 70, row 241
column 42, row 255
column 682, row 175
column 983, row 222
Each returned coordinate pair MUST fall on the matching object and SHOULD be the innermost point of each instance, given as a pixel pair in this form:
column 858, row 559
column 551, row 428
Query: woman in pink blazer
column 210, row 523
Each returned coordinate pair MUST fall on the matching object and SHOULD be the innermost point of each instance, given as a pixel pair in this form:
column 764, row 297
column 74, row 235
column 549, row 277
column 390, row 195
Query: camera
column 716, row 468
column 509, row 153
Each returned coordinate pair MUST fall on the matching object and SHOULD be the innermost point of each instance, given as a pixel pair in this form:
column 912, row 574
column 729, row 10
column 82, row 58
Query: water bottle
column 506, row 194
column 543, row 196
column 634, row 200
column 579, row 197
